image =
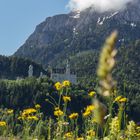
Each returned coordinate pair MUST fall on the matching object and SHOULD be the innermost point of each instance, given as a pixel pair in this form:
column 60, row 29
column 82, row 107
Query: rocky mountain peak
column 61, row 36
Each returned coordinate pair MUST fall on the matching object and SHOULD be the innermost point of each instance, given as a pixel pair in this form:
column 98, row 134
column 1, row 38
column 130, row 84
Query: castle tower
column 30, row 71
column 67, row 68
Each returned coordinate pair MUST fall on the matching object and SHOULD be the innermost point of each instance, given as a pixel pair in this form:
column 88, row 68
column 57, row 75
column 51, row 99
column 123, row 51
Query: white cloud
column 99, row 5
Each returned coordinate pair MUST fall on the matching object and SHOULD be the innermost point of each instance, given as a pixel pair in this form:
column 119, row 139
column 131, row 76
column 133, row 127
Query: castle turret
column 67, row 68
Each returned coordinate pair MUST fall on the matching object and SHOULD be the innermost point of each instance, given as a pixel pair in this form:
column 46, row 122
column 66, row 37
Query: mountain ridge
column 61, row 36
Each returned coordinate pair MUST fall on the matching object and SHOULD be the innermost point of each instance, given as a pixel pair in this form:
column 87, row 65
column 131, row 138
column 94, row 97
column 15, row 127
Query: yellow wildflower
column 10, row 111
column 117, row 98
column 28, row 111
column 86, row 113
column 123, row 100
column 2, row 123
column 37, row 106
column 66, row 83
column 88, row 110
column 120, row 99
column 58, row 86
column 58, row 112
column 68, row 135
column 73, row 116
column 66, row 98
column 32, row 118
column 92, row 93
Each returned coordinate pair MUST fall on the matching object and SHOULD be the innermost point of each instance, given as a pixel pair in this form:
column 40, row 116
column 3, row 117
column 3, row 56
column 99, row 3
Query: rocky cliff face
column 65, row 35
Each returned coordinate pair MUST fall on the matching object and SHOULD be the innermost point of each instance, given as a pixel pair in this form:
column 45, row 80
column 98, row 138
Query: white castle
column 63, row 74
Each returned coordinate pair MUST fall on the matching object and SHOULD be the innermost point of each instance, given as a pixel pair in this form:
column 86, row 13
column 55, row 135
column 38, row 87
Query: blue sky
column 18, row 19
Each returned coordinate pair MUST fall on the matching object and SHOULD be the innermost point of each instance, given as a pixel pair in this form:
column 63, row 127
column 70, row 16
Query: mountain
column 65, row 35
column 13, row 67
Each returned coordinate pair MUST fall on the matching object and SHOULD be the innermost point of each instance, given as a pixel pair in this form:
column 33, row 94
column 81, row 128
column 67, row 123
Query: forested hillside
column 13, row 67
column 20, row 94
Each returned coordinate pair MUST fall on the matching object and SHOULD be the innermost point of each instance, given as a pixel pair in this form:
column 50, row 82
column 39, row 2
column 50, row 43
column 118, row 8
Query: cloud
column 98, row 5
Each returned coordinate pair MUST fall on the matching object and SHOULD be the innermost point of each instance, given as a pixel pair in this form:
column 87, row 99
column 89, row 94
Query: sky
column 18, row 19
